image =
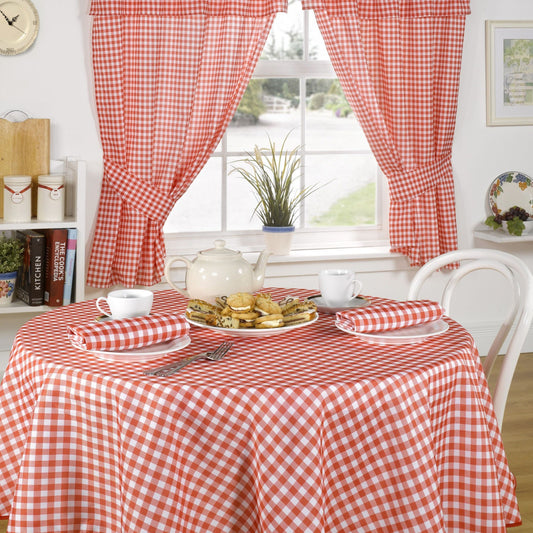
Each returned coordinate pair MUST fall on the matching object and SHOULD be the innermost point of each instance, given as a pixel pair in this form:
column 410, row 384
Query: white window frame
column 305, row 238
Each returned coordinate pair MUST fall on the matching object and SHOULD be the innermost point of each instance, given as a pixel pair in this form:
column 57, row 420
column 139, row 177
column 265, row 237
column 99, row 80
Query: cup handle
column 357, row 286
column 103, row 311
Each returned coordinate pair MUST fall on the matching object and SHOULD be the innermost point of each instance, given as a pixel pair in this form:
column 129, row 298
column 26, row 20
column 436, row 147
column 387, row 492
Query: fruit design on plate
column 245, row 310
column 511, row 189
column 513, row 217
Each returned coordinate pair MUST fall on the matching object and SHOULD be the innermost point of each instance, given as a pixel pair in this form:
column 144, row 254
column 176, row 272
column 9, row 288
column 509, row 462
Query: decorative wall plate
column 510, row 189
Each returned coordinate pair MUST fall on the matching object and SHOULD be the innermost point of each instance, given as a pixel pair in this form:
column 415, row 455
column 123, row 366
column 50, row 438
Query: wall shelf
column 500, row 236
column 74, row 171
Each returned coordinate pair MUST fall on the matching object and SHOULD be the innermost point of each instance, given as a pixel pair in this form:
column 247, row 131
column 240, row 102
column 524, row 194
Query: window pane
column 199, row 209
column 317, row 48
column 347, row 196
column 241, row 202
column 286, row 36
column 271, row 108
column 330, row 121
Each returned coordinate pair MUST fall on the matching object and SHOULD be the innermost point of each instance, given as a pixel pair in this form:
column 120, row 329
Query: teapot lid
column 220, row 251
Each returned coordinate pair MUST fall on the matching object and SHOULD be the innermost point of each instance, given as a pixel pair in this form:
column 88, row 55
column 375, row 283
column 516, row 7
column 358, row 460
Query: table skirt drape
column 311, row 431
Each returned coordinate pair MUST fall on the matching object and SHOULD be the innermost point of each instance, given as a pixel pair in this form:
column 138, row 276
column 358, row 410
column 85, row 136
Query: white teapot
column 218, row 272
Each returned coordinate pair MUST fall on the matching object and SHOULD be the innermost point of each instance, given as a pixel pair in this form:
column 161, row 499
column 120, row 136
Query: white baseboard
column 485, row 332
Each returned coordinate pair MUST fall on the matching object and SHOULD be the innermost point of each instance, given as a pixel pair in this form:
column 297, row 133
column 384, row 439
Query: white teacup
column 127, row 303
column 338, row 286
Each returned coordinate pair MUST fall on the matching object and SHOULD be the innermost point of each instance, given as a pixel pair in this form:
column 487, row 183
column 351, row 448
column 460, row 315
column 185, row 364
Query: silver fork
column 171, row 368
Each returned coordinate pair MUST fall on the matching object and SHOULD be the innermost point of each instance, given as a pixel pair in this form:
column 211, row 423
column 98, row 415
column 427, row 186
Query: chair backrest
column 516, row 324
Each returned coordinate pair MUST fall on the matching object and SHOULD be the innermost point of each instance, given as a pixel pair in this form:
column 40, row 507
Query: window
column 293, row 91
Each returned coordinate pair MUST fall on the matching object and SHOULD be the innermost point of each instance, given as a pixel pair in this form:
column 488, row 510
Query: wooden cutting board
column 24, row 149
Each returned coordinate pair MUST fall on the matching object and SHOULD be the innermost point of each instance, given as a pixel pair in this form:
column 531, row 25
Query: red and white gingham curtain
column 168, row 77
column 398, row 62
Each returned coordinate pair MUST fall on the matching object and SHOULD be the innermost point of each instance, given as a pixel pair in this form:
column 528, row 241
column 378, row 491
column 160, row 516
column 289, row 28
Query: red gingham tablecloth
column 310, row 431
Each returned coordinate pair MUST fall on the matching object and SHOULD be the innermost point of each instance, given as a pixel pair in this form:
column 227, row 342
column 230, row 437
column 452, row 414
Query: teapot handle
column 167, row 273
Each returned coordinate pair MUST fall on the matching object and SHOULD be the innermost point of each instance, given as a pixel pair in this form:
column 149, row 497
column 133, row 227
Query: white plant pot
column 278, row 239
column 7, row 287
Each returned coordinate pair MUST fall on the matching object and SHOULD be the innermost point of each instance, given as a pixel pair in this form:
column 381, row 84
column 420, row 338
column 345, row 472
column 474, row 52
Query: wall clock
column 19, row 26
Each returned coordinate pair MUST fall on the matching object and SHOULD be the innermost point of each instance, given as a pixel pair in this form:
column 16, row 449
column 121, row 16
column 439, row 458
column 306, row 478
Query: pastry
column 287, row 303
column 241, row 302
column 269, row 321
column 246, row 320
column 227, row 321
column 201, row 306
column 209, row 319
column 264, row 305
column 299, row 307
column 299, row 318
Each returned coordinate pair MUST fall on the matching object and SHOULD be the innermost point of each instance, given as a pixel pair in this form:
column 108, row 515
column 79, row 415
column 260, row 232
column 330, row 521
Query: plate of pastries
column 245, row 314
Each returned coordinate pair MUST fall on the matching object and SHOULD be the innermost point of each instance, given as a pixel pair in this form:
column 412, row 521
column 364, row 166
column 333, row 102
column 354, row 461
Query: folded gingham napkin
column 128, row 333
column 388, row 316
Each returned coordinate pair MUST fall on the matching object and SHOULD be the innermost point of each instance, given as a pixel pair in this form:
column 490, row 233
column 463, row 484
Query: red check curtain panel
column 398, row 62
column 168, row 77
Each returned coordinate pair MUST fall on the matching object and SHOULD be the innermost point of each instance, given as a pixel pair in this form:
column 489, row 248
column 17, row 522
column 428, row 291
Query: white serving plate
column 139, row 355
column 252, row 332
column 409, row 335
column 323, row 307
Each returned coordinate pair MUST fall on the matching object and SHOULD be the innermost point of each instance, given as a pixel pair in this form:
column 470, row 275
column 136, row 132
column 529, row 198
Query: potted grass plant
column 274, row 177
column 11, row 256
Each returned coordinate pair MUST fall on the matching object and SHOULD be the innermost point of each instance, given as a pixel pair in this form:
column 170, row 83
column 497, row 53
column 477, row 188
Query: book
column 55, row 260
column 70, row 263
column 31, row 274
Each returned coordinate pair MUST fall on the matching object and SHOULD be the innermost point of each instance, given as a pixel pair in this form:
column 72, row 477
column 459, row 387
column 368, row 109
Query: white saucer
column 323, row 307
column 409, row 335
column 139, row 355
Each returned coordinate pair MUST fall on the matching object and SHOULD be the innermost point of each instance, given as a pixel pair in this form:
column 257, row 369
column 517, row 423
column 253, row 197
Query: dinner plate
column 510, row 189
column 139, row 355
column 253, row 332
column 323, row 307
column 409, row 335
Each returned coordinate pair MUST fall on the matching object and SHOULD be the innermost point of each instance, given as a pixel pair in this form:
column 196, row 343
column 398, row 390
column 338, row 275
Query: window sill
column 361, row 259
column 335, row 254
column 367, row 259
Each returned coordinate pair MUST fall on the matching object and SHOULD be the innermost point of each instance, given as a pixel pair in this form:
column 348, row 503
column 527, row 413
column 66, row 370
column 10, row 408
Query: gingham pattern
column 166, row 88
column 314, row 431
column 128, row 333
column 389, row 316
column 171, row 8
column 399, row 64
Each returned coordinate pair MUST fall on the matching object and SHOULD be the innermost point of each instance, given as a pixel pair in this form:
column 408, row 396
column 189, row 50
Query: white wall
column 53, row 80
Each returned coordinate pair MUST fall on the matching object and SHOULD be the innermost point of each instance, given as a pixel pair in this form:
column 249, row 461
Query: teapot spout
column 259, row 270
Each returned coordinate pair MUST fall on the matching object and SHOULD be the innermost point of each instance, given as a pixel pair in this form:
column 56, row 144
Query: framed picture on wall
column 509, row 70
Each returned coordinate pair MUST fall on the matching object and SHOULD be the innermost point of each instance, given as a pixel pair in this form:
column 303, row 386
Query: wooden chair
column 516, row 324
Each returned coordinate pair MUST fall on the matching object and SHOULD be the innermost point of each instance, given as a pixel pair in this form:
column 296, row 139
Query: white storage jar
column 17, row 198
column 51, row 198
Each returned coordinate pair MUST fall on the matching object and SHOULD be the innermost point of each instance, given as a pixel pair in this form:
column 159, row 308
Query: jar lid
column 51, row 179
column 17, row 180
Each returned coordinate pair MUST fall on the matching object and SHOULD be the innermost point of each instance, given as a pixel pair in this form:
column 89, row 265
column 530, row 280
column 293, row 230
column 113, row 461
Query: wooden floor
column 517, row 435
column 517, row 439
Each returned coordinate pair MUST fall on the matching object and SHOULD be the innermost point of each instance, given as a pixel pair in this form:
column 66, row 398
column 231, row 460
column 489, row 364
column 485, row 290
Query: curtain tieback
column 408, row 185
column 153, row 203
